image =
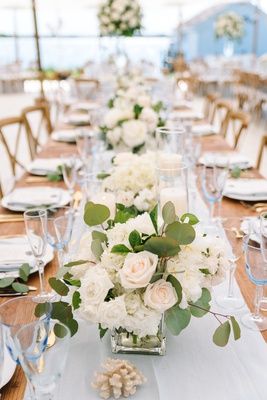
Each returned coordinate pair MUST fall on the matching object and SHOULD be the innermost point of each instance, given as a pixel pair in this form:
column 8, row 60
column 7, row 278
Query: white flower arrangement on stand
column 119, row 17
column 137, row 273
column 230, row 26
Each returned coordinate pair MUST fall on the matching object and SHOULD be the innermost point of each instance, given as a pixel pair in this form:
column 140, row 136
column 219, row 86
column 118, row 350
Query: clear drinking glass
column 257, row 273
column 16, row 313
column 42, row 362
column 263, row 233
column 85, row 142
column 234, row 241
column 36, row 230
column 2, row 352
column 170, row 146
column 172, row 185
column 65, row 220
column 213, row 180
column 69, row 170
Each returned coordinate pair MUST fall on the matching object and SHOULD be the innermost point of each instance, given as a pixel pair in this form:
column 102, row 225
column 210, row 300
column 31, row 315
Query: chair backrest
column 263, row 147
column 220, row 115
column 85, row 88
column 38, row 124
column 15, row 151
column 209, row 105
column 237, row 124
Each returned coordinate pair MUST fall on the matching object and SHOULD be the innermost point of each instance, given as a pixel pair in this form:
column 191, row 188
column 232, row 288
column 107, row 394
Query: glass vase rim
column 171, row 131
column 42, row 212
column 180, row 167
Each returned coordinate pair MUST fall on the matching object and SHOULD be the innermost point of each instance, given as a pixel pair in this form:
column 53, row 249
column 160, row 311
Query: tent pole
column 37, row 45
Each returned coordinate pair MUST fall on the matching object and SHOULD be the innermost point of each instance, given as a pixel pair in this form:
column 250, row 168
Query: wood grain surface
column 14, row 390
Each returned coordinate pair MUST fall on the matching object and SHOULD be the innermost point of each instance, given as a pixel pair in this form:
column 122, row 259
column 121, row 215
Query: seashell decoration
column 120, row 379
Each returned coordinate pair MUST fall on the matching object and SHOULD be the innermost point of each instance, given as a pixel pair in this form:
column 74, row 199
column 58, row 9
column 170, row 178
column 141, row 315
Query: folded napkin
column 64, row 134
column 85, row 106
column 204, row 129
column 45, row 165
column 78, row 119
column 37, row 196
column 225, row 159
column 14, row 251
column 252, row 225
column 246, row 187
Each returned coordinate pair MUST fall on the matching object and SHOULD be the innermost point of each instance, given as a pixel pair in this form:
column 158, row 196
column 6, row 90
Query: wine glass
column 69, row 170
column 16, row 313
column 263, row 235
column 53, row 238
column 257, row 273
column 63, row 228
column 85, row 142
column 234, row 243
column 42, row 362
column 213, row 180
column 36, row 229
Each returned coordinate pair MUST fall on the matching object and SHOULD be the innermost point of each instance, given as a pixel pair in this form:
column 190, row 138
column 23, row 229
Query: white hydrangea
column 143, row 322
column 134, row 133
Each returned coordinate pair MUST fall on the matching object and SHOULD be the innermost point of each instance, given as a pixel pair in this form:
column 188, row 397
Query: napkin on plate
column 78, row 119
column 64, row 134
column 225, row 159
column 246, row 187
column 85, row 106
column 32, row 197
column 204, row 129
column 45, row 165
column 14, row 251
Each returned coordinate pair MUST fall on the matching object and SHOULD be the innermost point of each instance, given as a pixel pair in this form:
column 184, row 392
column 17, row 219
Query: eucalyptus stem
column 215, row 314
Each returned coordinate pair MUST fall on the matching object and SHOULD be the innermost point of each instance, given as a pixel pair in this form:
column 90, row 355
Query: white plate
column 8, row 368
column 85, row 106
column 252, row 197
column 66, row 135
column 49, row 255
column 204, row 130
column 77, row 120
column 64, row 196
column 246, row 189
column 48, row 166
column 222, row 160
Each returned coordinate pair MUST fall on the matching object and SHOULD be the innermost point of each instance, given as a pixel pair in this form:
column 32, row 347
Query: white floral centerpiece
column 132, row 274
column 133, row 179
column 119, row 17
column 230, row 25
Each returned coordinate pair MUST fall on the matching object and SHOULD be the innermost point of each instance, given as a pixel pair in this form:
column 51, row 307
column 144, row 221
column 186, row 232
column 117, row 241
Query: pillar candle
column 177, row 196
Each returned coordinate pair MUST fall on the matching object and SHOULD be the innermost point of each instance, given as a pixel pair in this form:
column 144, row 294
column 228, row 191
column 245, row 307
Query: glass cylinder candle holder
column 170, row 146
column 172, row 185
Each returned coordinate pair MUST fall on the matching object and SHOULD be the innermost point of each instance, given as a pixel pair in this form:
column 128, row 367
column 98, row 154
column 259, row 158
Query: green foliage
column 68, row 278
column 158, row 106
column 95, row 214
column 222, row 334
column 42, row 309
column 137, row 110
column 24, row 272
column 60, row 331
column 236, row 328
column 168, row 213
column 74, row 263
column 97, row 249
column 183, row 233
column 135, row 239
column 76, row 300
column 120, row 249
column 58, row 286
column 20, row 287
column 102, row 331
column 123, row 214
column 192, row 219
column 177, row 319
column 162, row 246
column 5, row 282
column 111, row 103
column 17, row 284
column 62, row 311
column 136, row 149
column 100, row 236
column 177, row 286
column 56, row 176
column 103, row 175
column 154, row 217
column 201, row 306
column 236, row 172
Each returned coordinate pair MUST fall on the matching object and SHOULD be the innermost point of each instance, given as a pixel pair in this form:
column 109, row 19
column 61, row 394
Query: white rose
column 112, row 313
column 160, row 295
column 114, row 136
column 124, row 158
column 138, row 269
column 95, row 286
column 84, row 251
column 141, row 224
column 125, row 197
column 150, row 117
column 89, row 312
column 134, row 133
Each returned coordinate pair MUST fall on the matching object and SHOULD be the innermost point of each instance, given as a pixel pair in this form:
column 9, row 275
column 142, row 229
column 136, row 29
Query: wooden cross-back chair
column 263, row 147
column 221, row 111
column 209, row 105
column 44, row 125
column 236, row 123
column 84, row 87
column 11, row 148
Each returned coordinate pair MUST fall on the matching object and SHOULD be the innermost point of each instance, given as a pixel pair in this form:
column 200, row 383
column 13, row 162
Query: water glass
column 213, row 180
column 69, row 170
column 263, row 234
column 233, row 237
column 257, row 273
column 42, row 362
column 16, row 313
column 170, row 145
column 85, row 142
column 36, row 230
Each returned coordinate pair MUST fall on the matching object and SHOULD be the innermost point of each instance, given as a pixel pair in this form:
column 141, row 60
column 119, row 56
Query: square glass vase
column 124, row 342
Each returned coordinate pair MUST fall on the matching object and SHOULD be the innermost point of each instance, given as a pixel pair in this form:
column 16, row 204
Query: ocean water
column 74, row 52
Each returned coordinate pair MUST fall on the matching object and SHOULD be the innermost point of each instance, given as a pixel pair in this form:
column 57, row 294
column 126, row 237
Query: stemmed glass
column 263, row 235
column 59, row 232
column 213, row 181
column 36, row 229
column 43, row 364
column 257, row 273
column 85, row 142
column 69, row 171
column 234, row 241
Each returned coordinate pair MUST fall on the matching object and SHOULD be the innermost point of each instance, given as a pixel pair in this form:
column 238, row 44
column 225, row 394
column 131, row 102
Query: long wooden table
column 14, row 390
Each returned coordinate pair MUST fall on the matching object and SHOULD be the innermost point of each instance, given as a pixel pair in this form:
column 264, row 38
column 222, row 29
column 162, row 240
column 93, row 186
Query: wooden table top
column 14, row 390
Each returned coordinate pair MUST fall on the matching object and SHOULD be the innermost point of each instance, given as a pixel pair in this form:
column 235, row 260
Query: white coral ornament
column 120, row 378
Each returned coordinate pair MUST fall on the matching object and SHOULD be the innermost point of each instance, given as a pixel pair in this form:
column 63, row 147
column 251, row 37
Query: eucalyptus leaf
column 76, row 300
column 120, row 249
column 24, row 272
column 58, row 286
column 203, row 302
column 236, row 328
column 73, row 326
column 102, row 331
column 95, row 214
column 97, row 249
column 103, row 175
column 222, row 334
column 99, row 235
column 61, row 311
column 5, row 282
column 154, row 217
column 42, row 309
column 168, row 213
column 162, row 246
column 177, row 319
column 135, row 239
column 177, row 286
column 192, row 219
column 60, row 331
column 74, row 263
column 183, row 233
column 123, row 213
column 20, row 287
